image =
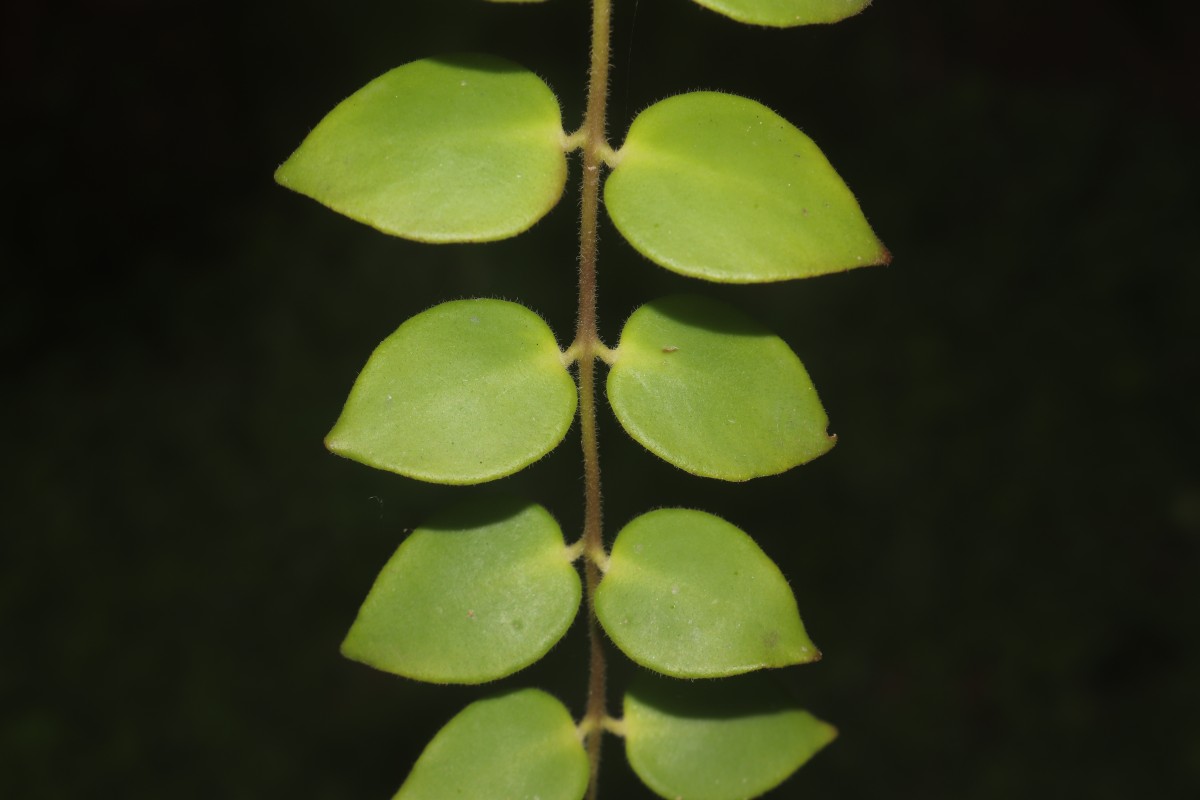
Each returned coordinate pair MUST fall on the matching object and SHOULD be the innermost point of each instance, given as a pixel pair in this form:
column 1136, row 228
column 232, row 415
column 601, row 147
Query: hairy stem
column 587, row 340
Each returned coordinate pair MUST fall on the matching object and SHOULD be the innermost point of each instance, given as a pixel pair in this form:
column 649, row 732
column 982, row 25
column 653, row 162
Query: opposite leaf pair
column 476, row 594
column 711, row 742
column 474, row 390
column 471, row 148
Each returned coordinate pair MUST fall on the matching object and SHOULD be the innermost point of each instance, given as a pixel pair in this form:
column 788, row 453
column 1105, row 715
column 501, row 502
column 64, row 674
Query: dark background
column 999, row 560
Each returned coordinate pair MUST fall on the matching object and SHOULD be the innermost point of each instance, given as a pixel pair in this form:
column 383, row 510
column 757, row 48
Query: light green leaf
column 786, row 13
column 472, row 596
column 519, row 745
column 726, row 740
column 722, row 188
column 463, row 148
column 706, row 388
column 689, row 595
column 466, row 392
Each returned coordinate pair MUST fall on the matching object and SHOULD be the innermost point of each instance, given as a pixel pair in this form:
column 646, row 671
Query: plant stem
column 587, row 340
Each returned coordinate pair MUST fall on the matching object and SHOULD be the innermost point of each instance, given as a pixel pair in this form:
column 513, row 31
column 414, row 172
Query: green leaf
column 463, row 148
column 519, row 745
column 466, row 392
column 472, row 596
column 689, row 595
column 729, row 740
column 722, row 188
column 786, row 13
column 709, row 390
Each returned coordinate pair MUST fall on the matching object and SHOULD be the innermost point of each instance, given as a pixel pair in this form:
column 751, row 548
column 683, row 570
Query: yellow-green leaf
column 717, row 740
column 466, row 392
column 471, row 596
column 709, row 390
column 722, row 188
column 689, row 595
column 519, row 745
column 786, row 13
column 451, row 149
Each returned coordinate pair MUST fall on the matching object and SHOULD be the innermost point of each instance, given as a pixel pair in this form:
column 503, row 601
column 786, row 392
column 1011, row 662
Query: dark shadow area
column 728, row 698
column 478, row 62
column 478, row 513
column 696, row 311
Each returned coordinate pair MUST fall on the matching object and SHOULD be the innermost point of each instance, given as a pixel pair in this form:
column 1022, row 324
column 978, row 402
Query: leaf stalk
column 595, row 150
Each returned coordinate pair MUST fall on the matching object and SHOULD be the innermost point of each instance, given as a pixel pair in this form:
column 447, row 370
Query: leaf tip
column 346, row 649
column 351, row 647
column 332, row 443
